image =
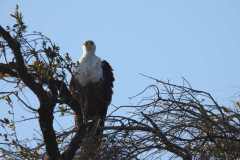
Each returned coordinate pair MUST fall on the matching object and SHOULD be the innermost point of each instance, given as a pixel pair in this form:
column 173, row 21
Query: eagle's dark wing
column 108, row 79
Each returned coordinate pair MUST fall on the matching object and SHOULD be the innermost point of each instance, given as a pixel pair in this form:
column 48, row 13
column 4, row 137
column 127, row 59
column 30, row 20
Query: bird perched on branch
column 92, row 83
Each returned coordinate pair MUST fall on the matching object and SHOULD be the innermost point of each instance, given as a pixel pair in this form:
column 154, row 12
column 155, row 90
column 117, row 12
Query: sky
column 197, row 40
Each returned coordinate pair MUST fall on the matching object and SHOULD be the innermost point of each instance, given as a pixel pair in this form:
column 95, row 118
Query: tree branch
column 46, row 124
column 47, row 103
column 8, row 70
column 20, row 65
column 75, row 143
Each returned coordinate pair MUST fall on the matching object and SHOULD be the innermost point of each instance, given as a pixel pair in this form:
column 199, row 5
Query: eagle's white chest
column 88, row 69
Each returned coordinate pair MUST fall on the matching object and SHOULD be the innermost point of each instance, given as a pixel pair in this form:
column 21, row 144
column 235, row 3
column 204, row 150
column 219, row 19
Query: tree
column 173, row 120
column 186, row 122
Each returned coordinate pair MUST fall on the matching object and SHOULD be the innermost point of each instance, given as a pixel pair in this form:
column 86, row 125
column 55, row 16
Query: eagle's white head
column 88, row 48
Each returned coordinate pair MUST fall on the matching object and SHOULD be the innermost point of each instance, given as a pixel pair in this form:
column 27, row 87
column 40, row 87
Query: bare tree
column 170, row 120
column 185, row 122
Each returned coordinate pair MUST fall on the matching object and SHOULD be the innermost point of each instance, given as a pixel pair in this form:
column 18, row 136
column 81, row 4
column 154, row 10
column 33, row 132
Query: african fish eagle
column 92, row 83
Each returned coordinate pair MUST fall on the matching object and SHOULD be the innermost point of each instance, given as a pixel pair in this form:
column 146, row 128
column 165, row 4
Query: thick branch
column 21, row 68
column 46, row 124
column 66, row 96
column 8, row 70
column 75, row 143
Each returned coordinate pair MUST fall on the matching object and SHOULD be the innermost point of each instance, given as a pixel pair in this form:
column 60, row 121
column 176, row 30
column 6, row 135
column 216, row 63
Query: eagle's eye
column 90, row 43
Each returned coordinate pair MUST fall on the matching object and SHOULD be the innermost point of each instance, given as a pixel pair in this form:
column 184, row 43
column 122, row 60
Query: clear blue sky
column 198, row 40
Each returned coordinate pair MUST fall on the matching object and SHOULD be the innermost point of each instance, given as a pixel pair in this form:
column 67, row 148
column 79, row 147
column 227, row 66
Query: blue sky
column 198, row 40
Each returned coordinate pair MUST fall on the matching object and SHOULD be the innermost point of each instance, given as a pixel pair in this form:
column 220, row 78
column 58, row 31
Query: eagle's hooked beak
column 89, row 45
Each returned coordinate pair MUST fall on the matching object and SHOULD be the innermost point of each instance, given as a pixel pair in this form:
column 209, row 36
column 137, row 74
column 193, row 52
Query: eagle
column 92, row 85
